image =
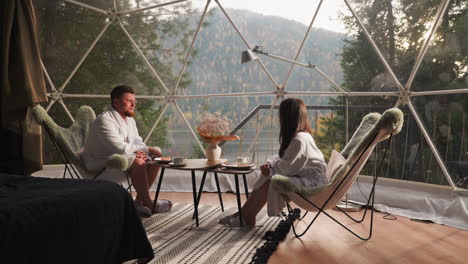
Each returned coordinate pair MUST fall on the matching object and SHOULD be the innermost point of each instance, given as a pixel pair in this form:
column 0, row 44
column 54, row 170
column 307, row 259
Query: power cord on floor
column 386, row 215
column 389, row 216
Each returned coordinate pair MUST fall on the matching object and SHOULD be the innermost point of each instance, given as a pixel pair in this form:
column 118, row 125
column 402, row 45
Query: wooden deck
column 393, row 241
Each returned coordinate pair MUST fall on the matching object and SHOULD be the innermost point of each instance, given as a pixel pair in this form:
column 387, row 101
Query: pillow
column 335, row 163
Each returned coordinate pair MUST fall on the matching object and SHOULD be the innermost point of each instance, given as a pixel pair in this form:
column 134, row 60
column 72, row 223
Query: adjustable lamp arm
column 259, row 50
column 249, row 55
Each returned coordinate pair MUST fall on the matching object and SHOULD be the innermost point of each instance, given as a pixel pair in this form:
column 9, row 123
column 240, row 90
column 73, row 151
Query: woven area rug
column 176, row 239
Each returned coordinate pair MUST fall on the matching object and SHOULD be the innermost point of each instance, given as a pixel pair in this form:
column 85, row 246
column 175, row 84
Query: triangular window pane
column 446, row 121
column 217, row 68
column 398, row 29
column 164, row 35
column 445, row 64
column 112, row 62
column 65, row 33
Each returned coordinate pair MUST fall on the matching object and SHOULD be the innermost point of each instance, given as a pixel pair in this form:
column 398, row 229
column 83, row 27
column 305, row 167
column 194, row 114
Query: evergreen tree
column 398, row 28
column 66, row 31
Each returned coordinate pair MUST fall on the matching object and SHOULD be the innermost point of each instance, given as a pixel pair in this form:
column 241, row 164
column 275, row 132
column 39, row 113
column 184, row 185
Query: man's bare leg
column 138, row 174
column 152, row 173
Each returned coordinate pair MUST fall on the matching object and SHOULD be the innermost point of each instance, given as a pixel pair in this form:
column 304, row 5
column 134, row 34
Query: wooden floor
column 393, row 241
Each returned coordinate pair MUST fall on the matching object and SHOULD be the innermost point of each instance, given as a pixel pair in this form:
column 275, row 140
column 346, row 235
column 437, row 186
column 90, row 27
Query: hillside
column 217, row 69
column 217, row 66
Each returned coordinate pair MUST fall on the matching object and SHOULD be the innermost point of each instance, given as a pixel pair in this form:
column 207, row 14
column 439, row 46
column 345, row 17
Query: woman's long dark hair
column 293, row 119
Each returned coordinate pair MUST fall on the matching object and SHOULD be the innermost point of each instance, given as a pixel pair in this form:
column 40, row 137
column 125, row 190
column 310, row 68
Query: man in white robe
column 114, row 132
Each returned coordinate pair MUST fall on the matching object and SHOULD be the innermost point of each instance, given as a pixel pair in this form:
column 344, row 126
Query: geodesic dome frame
column 403, row 95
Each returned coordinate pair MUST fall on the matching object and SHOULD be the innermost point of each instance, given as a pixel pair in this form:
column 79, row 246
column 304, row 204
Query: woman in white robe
column 298, row 158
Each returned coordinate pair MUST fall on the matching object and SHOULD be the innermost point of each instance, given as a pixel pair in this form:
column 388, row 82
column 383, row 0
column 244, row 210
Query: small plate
column 236, row 166
column 162, row 161
column 177, row 165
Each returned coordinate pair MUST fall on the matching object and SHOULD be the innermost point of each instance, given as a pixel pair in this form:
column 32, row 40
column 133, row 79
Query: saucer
column 177, row 165
column 160, row 160
column 236, row 166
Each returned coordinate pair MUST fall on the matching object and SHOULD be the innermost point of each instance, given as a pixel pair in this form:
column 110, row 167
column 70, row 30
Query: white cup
column 242, row 160
column 178, row 160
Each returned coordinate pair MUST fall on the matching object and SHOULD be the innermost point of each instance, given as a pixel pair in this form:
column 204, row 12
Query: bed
column 46, row 220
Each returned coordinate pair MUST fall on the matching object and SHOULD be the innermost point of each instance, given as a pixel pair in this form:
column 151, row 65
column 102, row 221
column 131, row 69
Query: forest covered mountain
column 218, row 69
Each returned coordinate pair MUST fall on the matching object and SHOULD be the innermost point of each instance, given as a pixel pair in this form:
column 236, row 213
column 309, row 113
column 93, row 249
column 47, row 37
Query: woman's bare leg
column 255, row 203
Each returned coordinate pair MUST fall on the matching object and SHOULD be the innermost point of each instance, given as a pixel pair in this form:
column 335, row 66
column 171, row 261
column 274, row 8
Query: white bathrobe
column 302, row 161
column 111, row 134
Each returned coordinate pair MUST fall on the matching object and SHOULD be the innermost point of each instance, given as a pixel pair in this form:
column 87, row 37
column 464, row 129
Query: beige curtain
column 22, row 86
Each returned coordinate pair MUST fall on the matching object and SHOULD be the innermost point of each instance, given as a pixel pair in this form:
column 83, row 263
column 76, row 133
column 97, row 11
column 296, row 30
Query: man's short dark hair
column 119, row 90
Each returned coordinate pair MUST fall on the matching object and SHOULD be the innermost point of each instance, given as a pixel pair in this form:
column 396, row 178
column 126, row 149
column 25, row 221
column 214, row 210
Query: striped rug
column 176, row 239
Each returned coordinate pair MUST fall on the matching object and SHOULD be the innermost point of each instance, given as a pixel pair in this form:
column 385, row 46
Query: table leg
column 219, row 191
column 200, row 190
column 157, row 190
column 238, row 199
column 246, row 189
column 129, row 183
column 194, row 189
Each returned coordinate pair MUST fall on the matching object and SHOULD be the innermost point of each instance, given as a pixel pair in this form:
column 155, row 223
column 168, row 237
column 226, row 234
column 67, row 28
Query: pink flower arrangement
column 213, row 128
column 214, row 124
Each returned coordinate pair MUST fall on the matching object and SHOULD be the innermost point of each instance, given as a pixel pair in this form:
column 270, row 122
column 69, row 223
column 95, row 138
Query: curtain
column 22, row 86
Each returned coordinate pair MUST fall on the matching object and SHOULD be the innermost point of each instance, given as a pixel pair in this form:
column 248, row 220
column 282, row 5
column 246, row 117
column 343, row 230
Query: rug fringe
column 273, row 238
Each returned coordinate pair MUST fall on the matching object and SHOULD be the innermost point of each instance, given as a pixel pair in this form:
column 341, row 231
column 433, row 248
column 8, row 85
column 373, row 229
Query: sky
column 299, row 10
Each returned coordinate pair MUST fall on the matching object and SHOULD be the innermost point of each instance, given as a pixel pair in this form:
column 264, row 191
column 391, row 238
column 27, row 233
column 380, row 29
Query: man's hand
column 141, row 155
column 154, row 152
column 265, row 169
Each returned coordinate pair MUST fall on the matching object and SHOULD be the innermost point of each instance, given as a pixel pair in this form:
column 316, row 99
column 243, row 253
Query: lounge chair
column 373, row 129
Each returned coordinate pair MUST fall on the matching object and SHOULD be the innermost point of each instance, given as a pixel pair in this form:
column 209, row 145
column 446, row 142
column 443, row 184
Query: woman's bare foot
column 225, row 220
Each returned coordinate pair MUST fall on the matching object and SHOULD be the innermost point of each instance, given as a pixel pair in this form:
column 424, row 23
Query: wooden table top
column 192, row 164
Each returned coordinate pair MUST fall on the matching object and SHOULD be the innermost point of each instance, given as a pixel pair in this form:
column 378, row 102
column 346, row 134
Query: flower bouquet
column 212, row 130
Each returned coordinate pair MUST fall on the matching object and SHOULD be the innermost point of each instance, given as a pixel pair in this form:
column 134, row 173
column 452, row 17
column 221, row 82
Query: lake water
column 267, row 144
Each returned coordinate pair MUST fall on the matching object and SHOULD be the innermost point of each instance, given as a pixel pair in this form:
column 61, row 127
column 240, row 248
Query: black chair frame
column 369, row 205
column 69, row 167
